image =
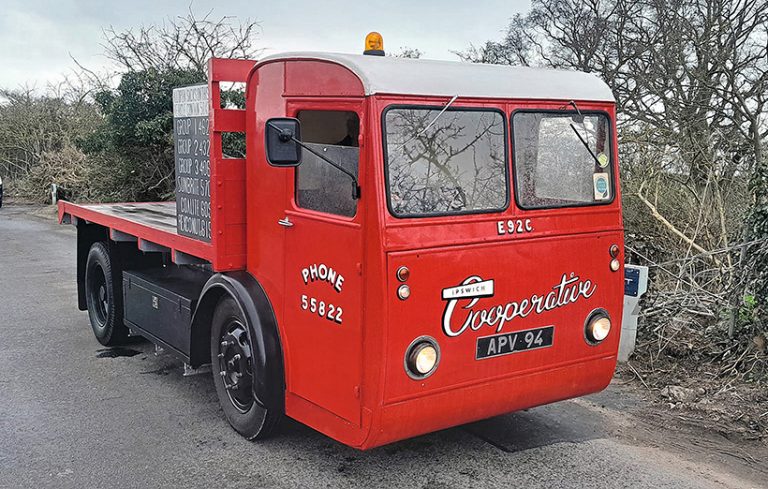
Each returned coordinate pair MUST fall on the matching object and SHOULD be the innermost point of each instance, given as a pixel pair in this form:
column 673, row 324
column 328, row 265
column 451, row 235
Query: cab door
column 324, row 245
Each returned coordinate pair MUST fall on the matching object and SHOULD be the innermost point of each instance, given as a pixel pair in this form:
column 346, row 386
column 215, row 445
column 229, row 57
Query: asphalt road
column 73, row 415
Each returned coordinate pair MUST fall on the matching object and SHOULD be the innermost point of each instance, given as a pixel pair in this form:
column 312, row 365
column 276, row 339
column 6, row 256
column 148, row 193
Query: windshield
column 561, row 159
column 452, row 164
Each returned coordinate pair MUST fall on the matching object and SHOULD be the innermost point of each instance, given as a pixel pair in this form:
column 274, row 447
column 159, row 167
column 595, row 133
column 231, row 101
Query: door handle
column 285, row 222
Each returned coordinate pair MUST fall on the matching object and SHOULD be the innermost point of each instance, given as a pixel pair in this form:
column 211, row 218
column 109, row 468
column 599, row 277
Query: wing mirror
column 283, row 135
column 282, row 141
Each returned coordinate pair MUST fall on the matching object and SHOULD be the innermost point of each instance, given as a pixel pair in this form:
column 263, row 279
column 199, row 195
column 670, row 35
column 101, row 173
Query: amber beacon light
column 374, row 44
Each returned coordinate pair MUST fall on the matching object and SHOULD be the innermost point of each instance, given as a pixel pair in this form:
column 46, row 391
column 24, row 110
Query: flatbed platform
column 152, row 225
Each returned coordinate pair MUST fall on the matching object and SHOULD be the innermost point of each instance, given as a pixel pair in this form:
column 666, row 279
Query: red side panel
column 227, row 174
column 320, row 79
column 322, row 388
column 153, row 222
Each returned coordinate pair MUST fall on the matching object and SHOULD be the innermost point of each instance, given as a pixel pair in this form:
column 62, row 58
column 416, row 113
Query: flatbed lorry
column 407, row 245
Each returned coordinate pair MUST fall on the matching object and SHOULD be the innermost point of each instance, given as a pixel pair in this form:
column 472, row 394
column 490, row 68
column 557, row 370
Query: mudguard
column 269, row 378
column 87, row 234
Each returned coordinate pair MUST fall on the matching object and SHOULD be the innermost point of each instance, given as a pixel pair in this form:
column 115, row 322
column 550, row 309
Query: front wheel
column 104, row 296
column 233, row 373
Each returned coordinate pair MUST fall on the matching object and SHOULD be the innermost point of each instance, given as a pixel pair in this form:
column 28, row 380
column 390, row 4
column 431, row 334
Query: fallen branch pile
column 700, row 342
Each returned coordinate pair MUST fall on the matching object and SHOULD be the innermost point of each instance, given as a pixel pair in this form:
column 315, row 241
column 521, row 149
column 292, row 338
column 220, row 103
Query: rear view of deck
column 152, row 226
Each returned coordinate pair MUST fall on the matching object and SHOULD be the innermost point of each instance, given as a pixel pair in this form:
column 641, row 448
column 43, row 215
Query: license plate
column 514, row 342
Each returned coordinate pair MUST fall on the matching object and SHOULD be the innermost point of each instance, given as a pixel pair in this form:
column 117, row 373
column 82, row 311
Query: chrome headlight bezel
column 592, row 318
column 411, row 355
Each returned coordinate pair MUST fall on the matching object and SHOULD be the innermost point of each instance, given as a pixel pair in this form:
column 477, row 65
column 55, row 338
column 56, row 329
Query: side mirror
column 281, row 134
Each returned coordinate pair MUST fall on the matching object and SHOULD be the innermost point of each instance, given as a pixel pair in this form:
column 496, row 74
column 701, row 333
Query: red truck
column 408, row 245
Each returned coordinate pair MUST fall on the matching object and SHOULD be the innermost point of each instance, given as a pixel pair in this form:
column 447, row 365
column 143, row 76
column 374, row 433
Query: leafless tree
column 184, row 42
column 34, row 123
column 408, row 52
column 691, row 83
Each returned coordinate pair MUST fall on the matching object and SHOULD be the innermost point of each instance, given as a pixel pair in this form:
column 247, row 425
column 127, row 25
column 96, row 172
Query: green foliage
column 233, row 143
column 748, row 309
column 140, row 112
column 133, row 149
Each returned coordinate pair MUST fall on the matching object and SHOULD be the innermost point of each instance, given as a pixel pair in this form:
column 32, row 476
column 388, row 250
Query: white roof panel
column 402, row 76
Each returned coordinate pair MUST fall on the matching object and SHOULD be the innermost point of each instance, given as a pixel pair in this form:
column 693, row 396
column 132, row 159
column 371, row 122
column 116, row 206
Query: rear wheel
column 234, row 375
column 103, row 295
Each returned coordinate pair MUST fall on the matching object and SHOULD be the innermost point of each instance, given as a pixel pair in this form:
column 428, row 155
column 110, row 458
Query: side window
column 319, row 186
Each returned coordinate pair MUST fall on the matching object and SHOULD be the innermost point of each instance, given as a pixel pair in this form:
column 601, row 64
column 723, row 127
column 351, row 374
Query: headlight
column 598, row 326
column 615, row 265
column 422, row 358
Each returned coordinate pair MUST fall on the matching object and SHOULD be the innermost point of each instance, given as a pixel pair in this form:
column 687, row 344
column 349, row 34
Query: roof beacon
column 374, row 44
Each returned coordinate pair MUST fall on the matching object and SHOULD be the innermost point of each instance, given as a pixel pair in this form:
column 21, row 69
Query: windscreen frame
column 563, row 112
column 437, row 108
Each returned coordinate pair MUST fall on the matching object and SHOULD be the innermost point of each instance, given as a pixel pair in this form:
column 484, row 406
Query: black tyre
column 233, row 373
column 104, row 296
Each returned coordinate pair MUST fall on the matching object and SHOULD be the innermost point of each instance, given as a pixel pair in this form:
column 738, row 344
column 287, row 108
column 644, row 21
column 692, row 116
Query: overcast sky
column 38, row 36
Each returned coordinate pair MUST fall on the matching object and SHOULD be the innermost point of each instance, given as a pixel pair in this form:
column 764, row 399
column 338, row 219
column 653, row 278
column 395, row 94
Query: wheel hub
column 235, row 365
column 103, row 302
column 98, row 295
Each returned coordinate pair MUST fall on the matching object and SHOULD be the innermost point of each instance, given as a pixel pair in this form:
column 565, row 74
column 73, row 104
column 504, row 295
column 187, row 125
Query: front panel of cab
column 496, row 311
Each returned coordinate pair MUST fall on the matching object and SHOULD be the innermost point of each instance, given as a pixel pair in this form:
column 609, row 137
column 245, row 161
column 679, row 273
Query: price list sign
column 193, row 166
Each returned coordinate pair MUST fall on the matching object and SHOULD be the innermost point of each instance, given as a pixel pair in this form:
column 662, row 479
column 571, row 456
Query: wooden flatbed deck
column 152, row 225
column 161, row 214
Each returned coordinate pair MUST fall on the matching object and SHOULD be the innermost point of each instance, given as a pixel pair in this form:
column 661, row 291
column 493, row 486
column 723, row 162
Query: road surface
column 75, row 415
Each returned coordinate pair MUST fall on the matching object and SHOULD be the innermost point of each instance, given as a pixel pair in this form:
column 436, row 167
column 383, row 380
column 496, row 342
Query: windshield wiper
column 583, row 141
column 431, row 123
column 450, row 102
column 355, row 183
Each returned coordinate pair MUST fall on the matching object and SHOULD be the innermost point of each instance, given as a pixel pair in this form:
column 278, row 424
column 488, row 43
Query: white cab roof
column 401, row 76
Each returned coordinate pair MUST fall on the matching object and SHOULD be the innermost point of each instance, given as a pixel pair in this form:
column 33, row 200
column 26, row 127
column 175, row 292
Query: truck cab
column 408, row 245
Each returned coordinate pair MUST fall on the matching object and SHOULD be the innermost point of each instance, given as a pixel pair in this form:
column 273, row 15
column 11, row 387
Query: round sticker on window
column 601, row 187
column 602, row 160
